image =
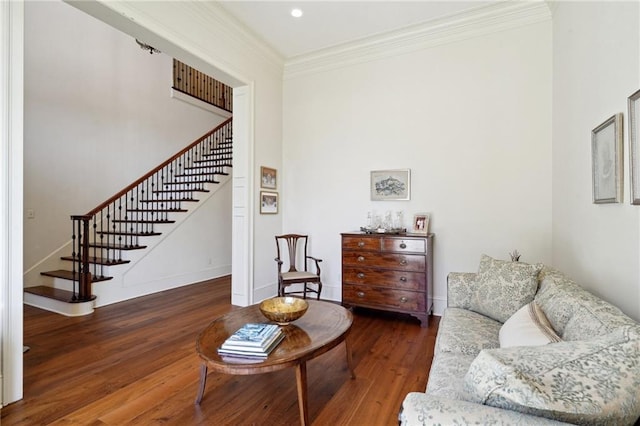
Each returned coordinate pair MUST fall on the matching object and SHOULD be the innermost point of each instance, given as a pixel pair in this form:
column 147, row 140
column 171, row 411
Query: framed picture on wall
column 268, row 178
column 634, row 149
column 268, row 202
column 391, row 185
column 606, row 157
column 420, row 223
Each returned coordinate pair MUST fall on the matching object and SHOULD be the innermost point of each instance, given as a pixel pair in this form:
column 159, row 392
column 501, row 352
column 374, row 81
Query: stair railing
column 101, row 236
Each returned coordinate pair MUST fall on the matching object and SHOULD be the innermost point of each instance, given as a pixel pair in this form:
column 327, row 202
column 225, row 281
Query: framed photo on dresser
column 420, row 223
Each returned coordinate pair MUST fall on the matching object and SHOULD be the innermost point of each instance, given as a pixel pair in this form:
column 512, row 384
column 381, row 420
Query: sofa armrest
column 421, row 409
column 459, row 289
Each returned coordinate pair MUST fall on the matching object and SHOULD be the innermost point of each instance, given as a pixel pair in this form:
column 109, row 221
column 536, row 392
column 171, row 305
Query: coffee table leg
column 203, row 382
column 349, row 358
column 301, row 380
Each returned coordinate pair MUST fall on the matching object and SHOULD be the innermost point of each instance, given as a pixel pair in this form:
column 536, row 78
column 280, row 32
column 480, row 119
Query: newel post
column 81, row 257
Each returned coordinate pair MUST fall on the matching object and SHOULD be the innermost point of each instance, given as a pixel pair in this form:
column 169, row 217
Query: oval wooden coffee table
column 323, row 327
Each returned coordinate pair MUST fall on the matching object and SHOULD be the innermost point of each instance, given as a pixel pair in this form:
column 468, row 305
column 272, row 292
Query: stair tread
column 129, row 234
column 116, row 246
column 158, row 210
column 175, row 200
column 178, row 191
column 98, row 260
column 186, row 182
column 202, row 174
column 54, row 293
column 71, row 276
column 142, row 221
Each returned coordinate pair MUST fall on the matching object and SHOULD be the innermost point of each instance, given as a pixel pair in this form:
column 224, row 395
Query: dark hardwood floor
column 135, row 363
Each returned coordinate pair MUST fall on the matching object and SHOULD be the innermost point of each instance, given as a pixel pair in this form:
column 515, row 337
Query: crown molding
column 484, row 20
column 157, row 20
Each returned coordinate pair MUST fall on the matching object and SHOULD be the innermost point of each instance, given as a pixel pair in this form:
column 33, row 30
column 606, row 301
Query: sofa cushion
column 575, row 313
column 421, row 409
column 527, row 327
column 503, row 287
column 460, row 289
column 446, row 377
column 594, row 382
column 466, row 332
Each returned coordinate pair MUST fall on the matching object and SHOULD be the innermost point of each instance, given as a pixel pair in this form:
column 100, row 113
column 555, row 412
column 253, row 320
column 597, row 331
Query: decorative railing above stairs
column 100, row 236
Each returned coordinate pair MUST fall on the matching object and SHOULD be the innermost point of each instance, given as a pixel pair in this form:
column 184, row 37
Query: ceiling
column 329, row 23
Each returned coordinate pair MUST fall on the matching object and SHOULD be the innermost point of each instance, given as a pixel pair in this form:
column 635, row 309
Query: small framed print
column 606, row 154
column 268, row 202
column 420, row 223
column 268, row 178
column 391, row 185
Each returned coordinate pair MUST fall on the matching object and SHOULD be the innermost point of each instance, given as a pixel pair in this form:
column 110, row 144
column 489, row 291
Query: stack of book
column 253, row 340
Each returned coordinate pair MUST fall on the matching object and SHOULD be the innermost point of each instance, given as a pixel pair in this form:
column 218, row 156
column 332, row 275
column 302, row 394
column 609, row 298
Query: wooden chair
column 297, row 244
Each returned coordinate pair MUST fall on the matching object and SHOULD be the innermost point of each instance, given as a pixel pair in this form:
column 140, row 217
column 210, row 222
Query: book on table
column 252, row 340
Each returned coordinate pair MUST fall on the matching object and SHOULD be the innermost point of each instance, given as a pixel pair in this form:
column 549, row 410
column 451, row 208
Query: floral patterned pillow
column 503, row 287
column 592, row 382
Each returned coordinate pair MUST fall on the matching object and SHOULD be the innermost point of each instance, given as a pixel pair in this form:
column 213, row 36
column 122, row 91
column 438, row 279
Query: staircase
column 102, row 238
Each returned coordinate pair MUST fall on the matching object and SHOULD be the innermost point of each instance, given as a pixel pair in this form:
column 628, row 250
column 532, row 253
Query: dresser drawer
column 404, row 280
column 404, row 245
column 383, row 297
column 403, row 262
column 361, row 243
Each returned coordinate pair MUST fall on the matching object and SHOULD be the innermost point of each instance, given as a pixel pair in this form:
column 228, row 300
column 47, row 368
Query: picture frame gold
column 268, row 178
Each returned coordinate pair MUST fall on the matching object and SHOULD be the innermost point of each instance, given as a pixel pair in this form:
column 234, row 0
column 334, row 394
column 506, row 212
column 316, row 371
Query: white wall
column 98, row 115
column 471, row 119
column 596, row 66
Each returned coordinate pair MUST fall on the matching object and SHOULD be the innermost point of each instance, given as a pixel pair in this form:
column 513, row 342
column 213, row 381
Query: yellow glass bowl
column 283, row 310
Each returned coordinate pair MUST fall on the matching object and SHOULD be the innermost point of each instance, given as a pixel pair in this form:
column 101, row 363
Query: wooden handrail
column 155, row 170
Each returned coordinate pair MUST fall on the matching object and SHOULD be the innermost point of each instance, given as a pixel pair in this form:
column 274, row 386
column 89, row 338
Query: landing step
column 55, row 293
column 98, row 260
column 71, row 276
column 58, row 301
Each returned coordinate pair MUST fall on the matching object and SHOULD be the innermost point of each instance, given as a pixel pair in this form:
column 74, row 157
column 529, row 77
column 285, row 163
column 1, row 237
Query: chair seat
column 299, row 275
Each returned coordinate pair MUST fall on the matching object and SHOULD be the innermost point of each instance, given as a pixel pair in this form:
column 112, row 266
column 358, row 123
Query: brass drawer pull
column 360, row 258
column 403, row 279
column 360, row 275
column 403, row 299
column 403, row 246
column 360, row 294
column 360, row 243
column 403, row 262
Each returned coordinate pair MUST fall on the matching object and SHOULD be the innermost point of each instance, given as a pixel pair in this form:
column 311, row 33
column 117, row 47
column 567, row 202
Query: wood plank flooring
column 134, row 363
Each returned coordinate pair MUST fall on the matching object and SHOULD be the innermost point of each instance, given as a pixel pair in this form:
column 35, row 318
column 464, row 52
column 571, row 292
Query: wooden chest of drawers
column 389, row 272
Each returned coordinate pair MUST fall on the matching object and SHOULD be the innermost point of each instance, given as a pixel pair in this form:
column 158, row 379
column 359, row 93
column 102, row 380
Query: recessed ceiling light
column 296, row 13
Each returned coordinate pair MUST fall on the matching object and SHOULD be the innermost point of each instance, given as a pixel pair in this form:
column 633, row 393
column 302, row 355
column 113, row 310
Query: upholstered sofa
column 523, row 344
